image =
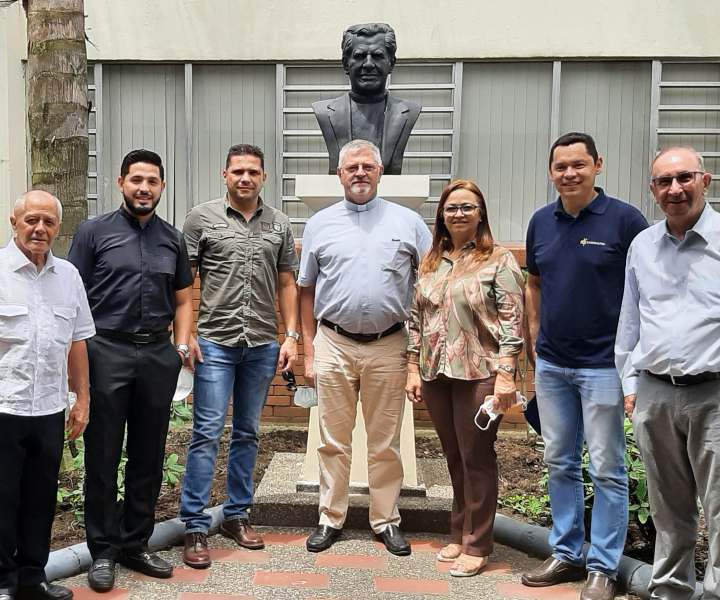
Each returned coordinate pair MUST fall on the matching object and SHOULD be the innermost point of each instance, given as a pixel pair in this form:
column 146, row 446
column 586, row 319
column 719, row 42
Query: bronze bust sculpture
column 368, row 111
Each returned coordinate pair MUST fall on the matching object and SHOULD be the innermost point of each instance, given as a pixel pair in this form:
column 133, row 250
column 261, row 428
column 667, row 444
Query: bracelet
column 292, row 334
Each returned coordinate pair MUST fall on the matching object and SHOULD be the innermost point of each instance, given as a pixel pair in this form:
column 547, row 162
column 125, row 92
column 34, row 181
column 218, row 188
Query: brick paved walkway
column 355, row 567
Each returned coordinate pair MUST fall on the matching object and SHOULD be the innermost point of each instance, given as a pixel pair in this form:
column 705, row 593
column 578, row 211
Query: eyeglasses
column 463, row 209
column 666, row 181
column 289, row 376
column 367, row 167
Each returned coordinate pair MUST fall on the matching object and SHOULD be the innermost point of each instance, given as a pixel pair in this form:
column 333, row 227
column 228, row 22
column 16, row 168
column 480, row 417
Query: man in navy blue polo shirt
column 576, row 250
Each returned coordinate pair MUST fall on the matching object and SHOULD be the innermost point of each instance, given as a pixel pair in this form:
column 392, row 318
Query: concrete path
column 356, row 567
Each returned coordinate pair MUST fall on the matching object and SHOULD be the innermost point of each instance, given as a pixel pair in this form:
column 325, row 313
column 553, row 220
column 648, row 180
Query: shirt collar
column 17, row 260
column 258, row 210
column 703, row 228
column 471, row 245
column 133, row 220
column 598, row 205
column 371, row 205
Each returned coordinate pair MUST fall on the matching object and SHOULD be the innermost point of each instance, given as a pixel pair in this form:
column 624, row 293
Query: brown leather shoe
column 244, row 535
column 598, row 587
column 196, row 553
column 551, row 572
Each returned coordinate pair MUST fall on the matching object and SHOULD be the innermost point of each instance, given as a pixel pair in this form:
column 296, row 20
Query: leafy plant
column 172, row 470
column 180, row 414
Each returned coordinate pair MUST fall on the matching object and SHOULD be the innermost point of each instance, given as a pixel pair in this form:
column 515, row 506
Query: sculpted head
column 368, row 56
column 36, row 222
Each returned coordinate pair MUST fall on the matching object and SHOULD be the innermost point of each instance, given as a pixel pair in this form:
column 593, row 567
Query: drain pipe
column 633, row 575
column 76, row 559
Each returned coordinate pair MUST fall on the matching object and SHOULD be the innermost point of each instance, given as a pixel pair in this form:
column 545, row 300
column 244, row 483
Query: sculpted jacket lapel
column 396, row 118
column 339, row 116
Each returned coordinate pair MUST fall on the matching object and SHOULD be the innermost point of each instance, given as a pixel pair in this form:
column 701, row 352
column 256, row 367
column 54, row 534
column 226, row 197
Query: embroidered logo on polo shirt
column 587, row 242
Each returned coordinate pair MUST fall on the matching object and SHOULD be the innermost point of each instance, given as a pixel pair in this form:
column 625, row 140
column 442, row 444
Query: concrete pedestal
column 358, row 472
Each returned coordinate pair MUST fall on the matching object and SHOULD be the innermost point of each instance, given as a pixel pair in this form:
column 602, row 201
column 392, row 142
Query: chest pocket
column 14, row 323
column 163, row 264
column 64, row 318
column 221, row 242
column 396, row 256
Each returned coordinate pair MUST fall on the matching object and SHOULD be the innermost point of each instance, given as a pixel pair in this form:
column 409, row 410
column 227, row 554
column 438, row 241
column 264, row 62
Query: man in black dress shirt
column 138, row 280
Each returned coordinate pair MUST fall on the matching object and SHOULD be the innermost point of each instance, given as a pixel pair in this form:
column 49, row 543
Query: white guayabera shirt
column 41, row 314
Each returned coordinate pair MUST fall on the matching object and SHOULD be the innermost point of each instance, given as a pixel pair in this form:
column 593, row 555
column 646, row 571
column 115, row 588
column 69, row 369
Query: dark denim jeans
column 246, row 374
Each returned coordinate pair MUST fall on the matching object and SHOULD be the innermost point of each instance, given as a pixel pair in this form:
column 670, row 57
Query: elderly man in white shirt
column 668, row 354
column 44, row 320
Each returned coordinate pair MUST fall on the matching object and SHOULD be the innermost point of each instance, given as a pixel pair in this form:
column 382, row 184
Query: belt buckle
column 144, row 336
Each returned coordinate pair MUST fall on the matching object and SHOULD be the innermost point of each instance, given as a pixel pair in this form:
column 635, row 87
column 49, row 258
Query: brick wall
column 279, row 406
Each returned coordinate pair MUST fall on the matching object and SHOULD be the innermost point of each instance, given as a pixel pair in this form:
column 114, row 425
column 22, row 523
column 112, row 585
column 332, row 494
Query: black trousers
column 130, row 384
column 30, row 453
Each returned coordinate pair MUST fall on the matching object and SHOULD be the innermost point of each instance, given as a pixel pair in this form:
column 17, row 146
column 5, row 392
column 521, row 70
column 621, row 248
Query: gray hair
column 360, row 145
column 21, row 202
column 664, row 151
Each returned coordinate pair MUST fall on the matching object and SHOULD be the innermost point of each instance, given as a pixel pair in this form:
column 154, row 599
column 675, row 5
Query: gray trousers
column 678, row 432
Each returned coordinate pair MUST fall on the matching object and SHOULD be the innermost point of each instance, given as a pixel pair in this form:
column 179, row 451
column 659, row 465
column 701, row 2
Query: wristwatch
column 292, row 334
column 183, row 349
column 507, row 368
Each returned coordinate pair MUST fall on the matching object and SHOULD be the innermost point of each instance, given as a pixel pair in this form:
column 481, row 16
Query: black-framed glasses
column 289, row 377
column 665, row 181
column 463, row 209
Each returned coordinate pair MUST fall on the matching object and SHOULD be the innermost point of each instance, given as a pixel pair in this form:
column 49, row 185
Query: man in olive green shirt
column 244, row 251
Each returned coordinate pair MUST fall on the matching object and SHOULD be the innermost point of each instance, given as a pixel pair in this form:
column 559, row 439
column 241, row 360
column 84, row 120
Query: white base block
column 358, row 469
column 320, row 191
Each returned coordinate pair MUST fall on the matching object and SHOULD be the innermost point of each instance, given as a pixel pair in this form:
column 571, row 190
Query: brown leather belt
column 683, row 380
column 363, row 338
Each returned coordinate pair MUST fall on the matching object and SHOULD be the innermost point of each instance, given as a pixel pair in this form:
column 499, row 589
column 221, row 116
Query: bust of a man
column 368, row 111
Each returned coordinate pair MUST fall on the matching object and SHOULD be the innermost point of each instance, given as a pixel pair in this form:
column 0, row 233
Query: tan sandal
column 449, row 553
column 465, row 565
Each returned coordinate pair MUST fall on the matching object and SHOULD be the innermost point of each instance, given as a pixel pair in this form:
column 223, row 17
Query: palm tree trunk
column 58, row 107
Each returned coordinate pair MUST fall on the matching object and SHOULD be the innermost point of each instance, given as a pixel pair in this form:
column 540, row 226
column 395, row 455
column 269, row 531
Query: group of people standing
column 616, row 316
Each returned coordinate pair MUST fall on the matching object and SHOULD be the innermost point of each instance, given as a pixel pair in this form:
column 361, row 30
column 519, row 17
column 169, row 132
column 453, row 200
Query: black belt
column 683, row 380
column 363, row 338
column 134, row 338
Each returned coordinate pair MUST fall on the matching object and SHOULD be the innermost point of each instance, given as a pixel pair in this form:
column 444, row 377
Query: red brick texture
column 279, row 406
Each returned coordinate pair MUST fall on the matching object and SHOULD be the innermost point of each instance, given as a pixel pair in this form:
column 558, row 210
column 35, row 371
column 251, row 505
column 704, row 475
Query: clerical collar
column 370, row 205
column 368, row 99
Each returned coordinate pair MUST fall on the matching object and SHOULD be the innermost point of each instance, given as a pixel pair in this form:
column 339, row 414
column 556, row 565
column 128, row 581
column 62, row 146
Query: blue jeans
column 578, row 404
column 246, row 373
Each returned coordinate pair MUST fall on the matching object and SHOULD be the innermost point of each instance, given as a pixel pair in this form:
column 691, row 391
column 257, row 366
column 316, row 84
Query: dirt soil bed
column 520, row 470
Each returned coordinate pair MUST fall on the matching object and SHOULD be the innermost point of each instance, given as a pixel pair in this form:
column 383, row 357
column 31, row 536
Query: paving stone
column 180, row 575
column 241, row 556
column 85, row 593
column 556, row 592
column 293, row 539
column 401, row 585
column 291, row 579
column 352, row 561
column 205, row 596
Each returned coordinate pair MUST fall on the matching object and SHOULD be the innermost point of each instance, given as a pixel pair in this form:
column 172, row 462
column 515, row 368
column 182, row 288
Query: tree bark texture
column 58, row 107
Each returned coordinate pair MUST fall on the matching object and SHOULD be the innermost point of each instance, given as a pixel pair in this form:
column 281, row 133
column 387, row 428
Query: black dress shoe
column 5, row 596
column 394, row 540
column 101, row 576
column 322, row 538
column 147, row 563
column 43, row 591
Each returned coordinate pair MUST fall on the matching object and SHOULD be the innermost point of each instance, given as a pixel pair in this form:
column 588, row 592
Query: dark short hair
column 141, row 156
column 575, row 137
column 368, row 30
column 245, row 150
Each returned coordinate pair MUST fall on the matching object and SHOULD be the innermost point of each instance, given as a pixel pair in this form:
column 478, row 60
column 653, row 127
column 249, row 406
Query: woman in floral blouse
column 466, row 332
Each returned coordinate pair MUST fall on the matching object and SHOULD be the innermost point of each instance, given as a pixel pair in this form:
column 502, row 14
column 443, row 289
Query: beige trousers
column 374, row 373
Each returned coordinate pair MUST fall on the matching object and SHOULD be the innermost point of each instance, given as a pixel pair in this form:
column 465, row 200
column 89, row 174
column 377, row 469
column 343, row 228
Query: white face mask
column 306, row 397
column 488, row 407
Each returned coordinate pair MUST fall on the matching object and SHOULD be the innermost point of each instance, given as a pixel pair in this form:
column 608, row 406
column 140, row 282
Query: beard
column 140, row 211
